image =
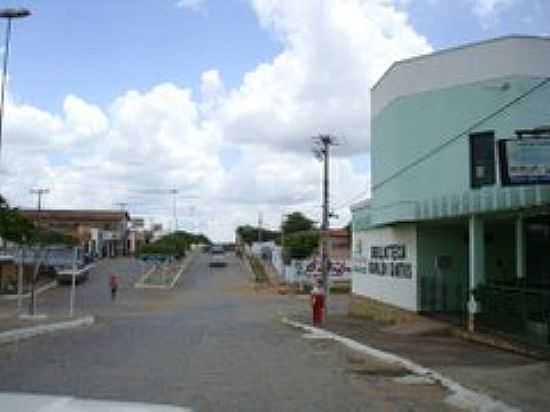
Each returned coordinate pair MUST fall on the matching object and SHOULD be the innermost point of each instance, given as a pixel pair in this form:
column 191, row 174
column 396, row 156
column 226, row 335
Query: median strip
column 149, row 279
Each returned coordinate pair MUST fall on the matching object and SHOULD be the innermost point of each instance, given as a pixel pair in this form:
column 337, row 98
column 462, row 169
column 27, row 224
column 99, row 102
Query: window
column 482, row 159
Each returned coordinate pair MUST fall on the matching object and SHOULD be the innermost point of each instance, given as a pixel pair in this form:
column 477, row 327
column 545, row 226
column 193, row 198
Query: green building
column 458, row 222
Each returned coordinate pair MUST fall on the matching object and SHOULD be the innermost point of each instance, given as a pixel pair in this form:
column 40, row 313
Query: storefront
column 458, row 225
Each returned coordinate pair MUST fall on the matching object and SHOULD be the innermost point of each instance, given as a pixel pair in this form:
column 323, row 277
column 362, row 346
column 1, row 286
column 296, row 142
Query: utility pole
column 260, row 223
column 322, row 152
column 174, row 193
column 39, row 192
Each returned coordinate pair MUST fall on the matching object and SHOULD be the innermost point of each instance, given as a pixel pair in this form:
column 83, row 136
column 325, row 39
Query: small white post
column 73, row 286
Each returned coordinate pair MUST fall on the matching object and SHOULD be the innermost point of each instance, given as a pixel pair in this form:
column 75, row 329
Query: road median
column 159, row 277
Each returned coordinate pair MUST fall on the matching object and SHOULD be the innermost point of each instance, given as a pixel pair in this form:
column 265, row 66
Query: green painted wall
column 412, row 126
column 442, row 290
column 500, row 246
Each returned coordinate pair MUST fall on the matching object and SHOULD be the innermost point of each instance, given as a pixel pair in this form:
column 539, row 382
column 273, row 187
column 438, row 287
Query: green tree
column 301, row 245
column 249, row 234
column 297, row 222
column 14, row 227
column 176, row 243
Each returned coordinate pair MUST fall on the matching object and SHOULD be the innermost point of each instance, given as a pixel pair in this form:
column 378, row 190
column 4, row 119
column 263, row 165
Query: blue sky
column 218, row 98
column 99, row 49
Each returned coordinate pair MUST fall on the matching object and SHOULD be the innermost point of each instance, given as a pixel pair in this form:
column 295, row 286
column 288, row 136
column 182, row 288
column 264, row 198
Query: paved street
column 210, row 344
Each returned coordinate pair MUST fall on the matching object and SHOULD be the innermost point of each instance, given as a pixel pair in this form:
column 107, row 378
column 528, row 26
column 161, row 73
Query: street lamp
column 10, row 14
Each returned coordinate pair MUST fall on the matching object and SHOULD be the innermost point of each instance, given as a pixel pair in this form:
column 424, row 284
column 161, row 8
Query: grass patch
column 260, row 275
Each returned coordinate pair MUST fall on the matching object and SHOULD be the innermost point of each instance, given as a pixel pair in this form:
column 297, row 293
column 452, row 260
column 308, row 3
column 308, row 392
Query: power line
column 446, row 143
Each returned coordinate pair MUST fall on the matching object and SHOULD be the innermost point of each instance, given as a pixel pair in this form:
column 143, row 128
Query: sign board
column 385, row 260
column 525, row 161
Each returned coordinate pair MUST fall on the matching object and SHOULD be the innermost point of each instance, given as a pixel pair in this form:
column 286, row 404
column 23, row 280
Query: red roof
column 81, row 216
column 338, row 233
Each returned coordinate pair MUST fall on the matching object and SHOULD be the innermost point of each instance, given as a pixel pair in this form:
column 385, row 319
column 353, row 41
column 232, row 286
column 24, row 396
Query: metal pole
column 73, row 285
column 4, row 77
column 20, row 281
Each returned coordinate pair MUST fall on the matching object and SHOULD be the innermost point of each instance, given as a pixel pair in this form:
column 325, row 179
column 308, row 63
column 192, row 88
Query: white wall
column 492, row 59
column 397, row 291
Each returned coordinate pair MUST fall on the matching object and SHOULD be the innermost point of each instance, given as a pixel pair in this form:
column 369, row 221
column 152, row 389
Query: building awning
column 483, row 201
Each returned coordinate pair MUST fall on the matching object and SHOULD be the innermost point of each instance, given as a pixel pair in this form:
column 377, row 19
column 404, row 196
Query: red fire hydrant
column 317, row 304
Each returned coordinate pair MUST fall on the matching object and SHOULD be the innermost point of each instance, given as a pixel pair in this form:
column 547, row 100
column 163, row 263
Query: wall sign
column 525, row 161
column 388, row 260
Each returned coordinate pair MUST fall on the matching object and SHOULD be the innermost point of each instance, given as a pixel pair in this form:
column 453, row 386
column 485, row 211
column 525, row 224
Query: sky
column 122, row 101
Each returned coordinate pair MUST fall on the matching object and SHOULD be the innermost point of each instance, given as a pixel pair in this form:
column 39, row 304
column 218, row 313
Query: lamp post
column 9, row 14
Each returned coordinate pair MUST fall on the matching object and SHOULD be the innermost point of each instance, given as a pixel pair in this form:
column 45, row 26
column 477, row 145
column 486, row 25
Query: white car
column 217, row 256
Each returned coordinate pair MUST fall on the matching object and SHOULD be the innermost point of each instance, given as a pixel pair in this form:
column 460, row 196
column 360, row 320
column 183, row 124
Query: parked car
column 217, row 256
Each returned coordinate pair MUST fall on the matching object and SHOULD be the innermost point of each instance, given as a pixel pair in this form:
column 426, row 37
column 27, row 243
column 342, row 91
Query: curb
column 16, row 335
column 461, row 396
column 38, row 291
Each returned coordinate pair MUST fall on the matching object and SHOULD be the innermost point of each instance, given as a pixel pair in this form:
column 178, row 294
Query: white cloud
column 334, row 51
column 239, row 150
column 194, row 5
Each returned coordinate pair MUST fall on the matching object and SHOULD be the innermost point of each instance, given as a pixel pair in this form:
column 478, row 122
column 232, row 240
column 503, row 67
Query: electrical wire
column 466, row 131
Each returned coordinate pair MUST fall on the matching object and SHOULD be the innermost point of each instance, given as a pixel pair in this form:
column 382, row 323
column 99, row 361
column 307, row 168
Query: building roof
column 514, row 55
column 67, row 215
column 338, row 233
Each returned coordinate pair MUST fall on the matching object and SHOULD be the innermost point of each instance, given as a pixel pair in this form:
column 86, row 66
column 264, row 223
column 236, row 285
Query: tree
column 301, row 237
column 301, row 245
column 249, row 234
column 14, row 227
column 297, row 222
column 174, row 244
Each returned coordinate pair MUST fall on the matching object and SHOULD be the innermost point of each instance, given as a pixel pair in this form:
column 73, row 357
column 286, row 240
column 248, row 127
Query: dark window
column 482, row 159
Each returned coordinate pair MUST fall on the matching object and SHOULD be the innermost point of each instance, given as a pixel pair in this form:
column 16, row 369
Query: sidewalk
column 517, row 380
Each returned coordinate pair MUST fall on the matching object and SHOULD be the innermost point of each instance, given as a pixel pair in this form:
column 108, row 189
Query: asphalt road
column 210, row 344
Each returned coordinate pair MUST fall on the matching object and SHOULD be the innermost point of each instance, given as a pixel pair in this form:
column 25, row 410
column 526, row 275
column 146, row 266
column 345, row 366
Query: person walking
column 317, row 303
column 113, row 284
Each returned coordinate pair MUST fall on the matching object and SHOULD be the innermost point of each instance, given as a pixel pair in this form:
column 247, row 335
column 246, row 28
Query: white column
column 476, row 264
column 520, row 247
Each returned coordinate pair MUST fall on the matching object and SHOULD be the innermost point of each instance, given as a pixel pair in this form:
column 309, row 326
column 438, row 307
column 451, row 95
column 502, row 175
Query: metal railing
column 521, row 312
column 443, row 299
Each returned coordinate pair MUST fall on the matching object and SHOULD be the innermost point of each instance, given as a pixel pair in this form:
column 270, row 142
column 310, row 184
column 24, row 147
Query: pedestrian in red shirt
column 113, row 284
column 318, row 303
